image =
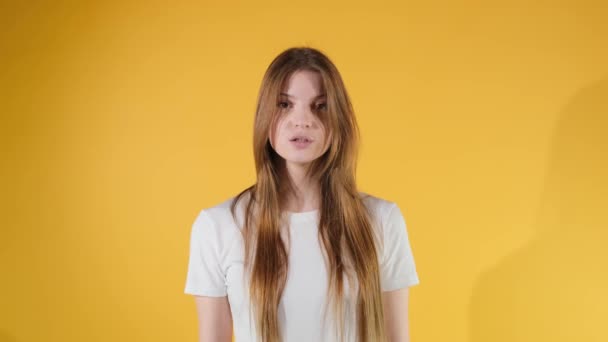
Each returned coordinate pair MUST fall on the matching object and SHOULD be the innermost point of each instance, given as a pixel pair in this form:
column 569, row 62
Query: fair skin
column 303, row 101
column 396, row 320
column 214, row 319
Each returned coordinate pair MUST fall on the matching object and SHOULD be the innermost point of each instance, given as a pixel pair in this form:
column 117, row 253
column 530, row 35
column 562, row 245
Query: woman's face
column 300, row 105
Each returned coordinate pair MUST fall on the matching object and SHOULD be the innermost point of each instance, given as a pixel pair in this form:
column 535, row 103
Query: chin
column 300, row 160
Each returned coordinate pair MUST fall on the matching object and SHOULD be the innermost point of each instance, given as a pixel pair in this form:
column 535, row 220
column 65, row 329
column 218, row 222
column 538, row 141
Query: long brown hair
column 348, row 240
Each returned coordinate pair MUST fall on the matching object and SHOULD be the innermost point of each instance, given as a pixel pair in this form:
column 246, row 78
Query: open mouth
column 303, row 139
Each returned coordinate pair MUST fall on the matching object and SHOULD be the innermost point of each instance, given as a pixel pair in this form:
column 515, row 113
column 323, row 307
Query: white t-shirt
column 215, row 268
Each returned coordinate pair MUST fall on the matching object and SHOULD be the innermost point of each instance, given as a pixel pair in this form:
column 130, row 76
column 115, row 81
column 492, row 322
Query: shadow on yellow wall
column 556, row 287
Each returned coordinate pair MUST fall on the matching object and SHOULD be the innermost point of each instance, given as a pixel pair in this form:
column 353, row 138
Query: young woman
column 302, row 255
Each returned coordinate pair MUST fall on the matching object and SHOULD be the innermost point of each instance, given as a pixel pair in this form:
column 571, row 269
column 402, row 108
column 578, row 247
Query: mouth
column 301, row 138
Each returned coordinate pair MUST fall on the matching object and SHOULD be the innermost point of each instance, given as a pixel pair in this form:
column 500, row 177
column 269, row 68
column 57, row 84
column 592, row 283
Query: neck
column 304, row 192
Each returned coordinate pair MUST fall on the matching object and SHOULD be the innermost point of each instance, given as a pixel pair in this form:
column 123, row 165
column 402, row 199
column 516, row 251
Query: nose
column 303, row 118
column 302, row 123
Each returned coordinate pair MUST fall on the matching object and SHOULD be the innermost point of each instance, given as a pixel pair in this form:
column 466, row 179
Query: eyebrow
column 316, row 97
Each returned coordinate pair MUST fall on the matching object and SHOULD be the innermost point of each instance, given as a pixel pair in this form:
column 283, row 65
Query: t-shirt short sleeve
column 397, row 268
column 205, row 275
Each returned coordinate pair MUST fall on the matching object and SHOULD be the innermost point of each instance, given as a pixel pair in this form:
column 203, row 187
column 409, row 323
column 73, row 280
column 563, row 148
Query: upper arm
column 398, row 273
column 396, row 320
column 214, row 318
column 207, row 260
column 206, row 279
column 397, row 266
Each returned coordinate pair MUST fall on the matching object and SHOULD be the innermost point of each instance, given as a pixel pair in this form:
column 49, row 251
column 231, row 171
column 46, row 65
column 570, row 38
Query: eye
column 283, row 104
column 322, row 106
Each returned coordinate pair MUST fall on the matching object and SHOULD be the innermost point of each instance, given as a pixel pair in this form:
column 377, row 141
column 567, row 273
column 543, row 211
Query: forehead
column 303, row 84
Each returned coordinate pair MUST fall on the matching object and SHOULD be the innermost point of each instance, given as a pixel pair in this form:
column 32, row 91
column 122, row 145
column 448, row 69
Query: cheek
column 275, row 133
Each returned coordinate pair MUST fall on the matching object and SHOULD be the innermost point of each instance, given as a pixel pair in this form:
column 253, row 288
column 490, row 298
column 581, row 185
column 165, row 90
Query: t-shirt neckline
column 302, row 215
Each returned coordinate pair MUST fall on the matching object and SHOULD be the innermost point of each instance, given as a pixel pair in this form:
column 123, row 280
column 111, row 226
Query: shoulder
column 378, row 207
column 217, row 221
column 385, row 215
column 221, row 213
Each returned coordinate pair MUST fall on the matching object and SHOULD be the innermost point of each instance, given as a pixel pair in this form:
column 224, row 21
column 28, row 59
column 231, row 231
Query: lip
column 301, row 144
column 303, row 136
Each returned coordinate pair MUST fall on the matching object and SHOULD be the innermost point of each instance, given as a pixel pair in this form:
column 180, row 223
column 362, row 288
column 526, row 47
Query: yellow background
column 486, row 122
